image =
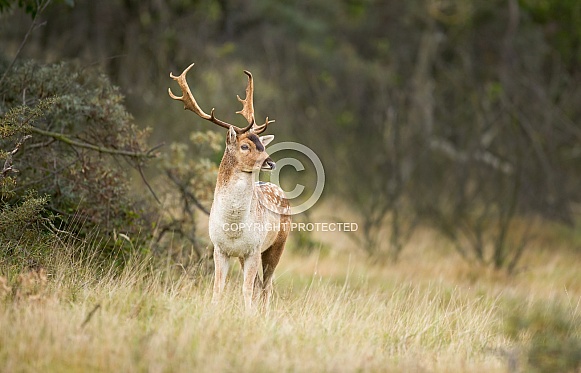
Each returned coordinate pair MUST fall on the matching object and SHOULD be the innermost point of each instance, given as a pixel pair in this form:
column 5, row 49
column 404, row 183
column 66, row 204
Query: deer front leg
column 257, row 282
column 220, row 272
column 251, row 266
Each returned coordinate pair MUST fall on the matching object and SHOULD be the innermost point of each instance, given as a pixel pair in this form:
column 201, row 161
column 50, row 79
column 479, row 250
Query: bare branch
column 32, row 27
column 67, row 140
column 187, row 194
column 8, row 163
column 144, row 179
column 90, row 315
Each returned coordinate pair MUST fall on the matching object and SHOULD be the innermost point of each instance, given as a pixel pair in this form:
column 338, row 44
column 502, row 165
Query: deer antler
column 248, row 108
column 247, row 104
column 190, row 102
column 260, row 129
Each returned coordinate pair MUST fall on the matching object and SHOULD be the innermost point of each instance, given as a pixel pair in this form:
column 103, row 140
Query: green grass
column 336, row 313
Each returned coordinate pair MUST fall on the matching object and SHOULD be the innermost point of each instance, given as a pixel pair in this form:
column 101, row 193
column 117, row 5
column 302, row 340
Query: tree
column 457, row 115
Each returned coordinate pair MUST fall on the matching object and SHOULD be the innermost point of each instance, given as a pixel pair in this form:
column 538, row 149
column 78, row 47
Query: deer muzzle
column 268, row 165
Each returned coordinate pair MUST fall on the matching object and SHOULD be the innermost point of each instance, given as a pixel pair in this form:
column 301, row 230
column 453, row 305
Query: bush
column 186, row 181
column 74, row 140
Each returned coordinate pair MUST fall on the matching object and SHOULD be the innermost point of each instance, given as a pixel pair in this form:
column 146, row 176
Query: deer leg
column 257, row 282
column 270, row 258
column 251, row 265
column 220, row 271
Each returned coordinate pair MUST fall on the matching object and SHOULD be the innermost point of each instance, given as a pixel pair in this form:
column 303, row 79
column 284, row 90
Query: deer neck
column 234, row 191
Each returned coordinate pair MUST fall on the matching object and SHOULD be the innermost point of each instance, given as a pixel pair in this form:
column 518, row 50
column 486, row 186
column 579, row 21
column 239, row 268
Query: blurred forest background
column 461, row 116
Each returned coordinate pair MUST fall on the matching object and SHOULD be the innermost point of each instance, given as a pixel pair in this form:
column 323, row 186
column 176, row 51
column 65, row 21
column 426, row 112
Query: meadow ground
column 331, row 312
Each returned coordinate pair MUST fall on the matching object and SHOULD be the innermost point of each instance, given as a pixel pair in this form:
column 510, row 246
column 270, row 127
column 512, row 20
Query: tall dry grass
column 334, row 313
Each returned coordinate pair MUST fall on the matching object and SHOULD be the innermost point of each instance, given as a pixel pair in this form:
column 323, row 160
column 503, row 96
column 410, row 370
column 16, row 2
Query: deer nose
column 268, row 164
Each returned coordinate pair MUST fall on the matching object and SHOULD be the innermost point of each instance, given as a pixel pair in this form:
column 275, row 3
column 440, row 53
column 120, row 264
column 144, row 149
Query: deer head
column 245, row 150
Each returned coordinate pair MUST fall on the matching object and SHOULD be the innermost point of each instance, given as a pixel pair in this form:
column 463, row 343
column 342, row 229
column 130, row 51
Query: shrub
column 188, row 176
column 74, row 141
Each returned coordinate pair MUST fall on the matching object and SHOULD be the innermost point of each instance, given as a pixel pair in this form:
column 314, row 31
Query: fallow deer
column 248, row 219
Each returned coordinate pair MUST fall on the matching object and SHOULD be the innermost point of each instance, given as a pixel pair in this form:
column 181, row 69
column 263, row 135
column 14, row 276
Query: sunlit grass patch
column 335, row 313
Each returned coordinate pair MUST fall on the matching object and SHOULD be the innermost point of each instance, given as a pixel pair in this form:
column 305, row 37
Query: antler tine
column 190, row 102
column 247, row 111
column 248, row 103
column 260, row 129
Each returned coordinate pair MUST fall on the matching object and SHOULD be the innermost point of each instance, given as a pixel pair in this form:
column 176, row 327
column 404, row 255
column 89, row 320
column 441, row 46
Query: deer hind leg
column 220, row 271
column 270, row 258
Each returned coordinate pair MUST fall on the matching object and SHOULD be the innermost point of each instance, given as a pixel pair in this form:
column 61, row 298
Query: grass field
column 333, row 312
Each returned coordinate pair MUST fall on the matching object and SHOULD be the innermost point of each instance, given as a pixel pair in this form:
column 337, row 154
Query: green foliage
column 187, row 190
column 21, row 216
column 31, row 7
column 78, row 123
column 562, row 26
column 550, row 337
column 18, row 222
column 458, row 115
column 304, row 243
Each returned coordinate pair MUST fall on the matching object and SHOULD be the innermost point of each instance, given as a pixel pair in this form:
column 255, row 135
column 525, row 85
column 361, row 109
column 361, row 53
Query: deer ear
column 265, row 140
column 231, row 138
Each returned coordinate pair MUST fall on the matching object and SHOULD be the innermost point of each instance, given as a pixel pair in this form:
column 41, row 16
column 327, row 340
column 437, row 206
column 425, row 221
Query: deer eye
column 244, row 147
